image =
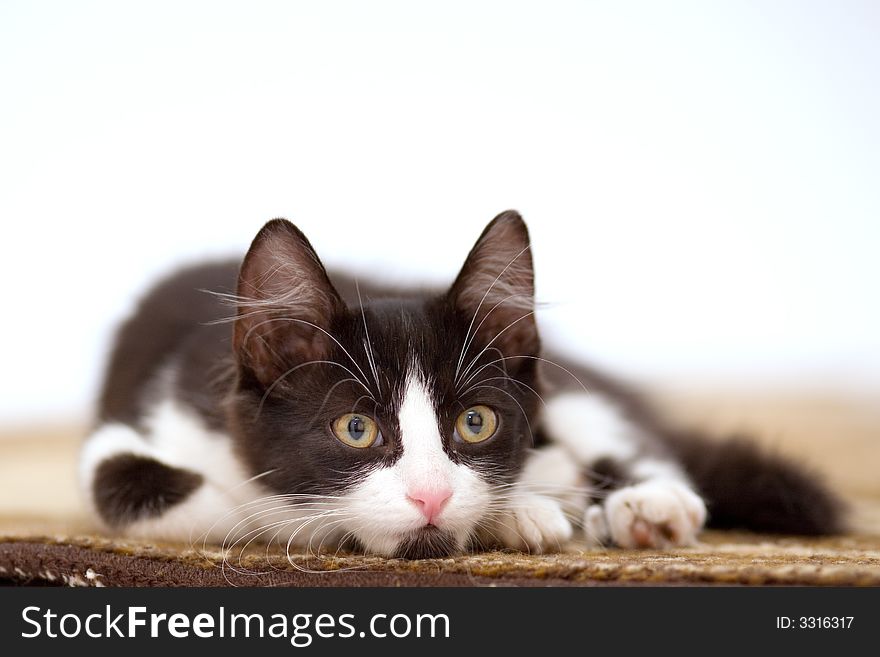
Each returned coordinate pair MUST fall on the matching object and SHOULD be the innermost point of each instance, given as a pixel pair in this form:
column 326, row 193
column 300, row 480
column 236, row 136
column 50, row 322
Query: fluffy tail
column 747, row 487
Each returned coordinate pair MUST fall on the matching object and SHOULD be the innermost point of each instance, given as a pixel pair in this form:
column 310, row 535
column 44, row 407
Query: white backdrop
column 701, row 179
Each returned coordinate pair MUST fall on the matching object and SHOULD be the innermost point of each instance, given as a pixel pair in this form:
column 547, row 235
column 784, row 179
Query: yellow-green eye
column 356, row 430
column 476, row 424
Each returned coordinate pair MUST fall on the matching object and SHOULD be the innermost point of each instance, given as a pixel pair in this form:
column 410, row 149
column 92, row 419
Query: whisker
column 274, row 538
column 327, row 398
column 287, row 550
column 543, row 360
column 358, row 401
column 325, row 332
column 294, row 369
column 261, row 528
column 266, row 500
column 207, row 532
column 368, row 348
column 301, row 521
column 513, row 380
column 497, row 335
column 470, row 340
column 480, row 305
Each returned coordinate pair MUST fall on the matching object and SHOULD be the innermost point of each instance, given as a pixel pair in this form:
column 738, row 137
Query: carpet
column 45, row 539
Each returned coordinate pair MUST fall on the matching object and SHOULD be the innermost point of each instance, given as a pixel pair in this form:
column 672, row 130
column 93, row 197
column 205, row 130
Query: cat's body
column 401, row 423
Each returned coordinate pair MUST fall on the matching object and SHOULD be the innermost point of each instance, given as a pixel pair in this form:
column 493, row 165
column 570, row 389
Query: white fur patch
column 534, row 523
column 651, row 468
column 659, row 511
column 424, row 463
column 178, row 438
column 232, row 508
column 590, row 427
column 549, row 491
column 595, row 525
column 552, row 471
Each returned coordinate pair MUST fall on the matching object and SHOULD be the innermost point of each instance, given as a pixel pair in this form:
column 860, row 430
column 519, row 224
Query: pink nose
column 430, row 502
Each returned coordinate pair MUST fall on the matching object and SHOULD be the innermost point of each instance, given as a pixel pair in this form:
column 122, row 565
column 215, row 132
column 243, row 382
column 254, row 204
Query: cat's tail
column 747, row 486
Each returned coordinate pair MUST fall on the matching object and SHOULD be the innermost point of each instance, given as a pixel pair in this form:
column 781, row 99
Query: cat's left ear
column 496, row 287
column 286, row 304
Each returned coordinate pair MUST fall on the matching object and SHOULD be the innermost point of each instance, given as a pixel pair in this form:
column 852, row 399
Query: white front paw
column 536, row 524
column 657, row 513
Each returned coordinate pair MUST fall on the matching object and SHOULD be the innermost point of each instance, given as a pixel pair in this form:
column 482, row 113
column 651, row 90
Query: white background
column 702, row 180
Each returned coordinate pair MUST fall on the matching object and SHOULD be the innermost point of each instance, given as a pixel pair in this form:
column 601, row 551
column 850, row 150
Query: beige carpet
column 46, row 539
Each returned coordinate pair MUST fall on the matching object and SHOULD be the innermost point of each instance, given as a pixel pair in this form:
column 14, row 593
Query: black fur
column 240, row 377
column 253, row 378
column 428, row 543
column 747, row 487
column 289, row 412
column 424, row 335
column 169, row 323
column 129, row 487
column 606, row 475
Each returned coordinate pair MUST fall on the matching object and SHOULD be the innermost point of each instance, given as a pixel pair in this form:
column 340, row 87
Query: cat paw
column 653, row 514
column 537, row 525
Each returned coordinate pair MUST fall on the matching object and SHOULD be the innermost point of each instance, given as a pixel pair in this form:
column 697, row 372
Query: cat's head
column 403, row 419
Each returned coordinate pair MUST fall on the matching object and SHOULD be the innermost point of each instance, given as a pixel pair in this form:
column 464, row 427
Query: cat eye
column 476, row 424
column 356, row 430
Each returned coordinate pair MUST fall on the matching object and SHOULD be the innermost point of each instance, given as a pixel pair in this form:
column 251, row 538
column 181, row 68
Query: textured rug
column 45, row 539
column 722, row 558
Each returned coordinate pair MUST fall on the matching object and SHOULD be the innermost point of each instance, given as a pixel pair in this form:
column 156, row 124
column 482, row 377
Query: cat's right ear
column 286, row 304
column 496, row 288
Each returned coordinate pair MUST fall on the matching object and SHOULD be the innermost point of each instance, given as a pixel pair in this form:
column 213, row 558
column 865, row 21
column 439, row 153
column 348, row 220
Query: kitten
column 400, row 423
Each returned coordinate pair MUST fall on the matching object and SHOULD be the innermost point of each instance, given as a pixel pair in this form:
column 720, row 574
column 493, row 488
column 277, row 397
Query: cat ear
column 286, row 302
column 496, row 287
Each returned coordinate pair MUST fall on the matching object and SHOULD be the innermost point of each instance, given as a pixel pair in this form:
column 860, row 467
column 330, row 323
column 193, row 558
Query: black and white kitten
column 401, row 423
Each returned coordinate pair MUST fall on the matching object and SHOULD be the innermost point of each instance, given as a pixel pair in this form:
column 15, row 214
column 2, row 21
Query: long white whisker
column 368, row 348
column 262, row 514
column 338, row 517
column 480, row 305
column 280, row 524
column 358, row 401
column 543, row 360
column 294, row 369
column 491, row 363
column 329, row 335
column 290, row 542
column 231, row 489
column 497, row 335
column 508, row 378
column 269, row 500
column 501, row 368
column 330, row 392
column 473, row 336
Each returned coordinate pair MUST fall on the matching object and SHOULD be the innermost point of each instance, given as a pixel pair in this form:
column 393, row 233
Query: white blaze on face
column 424, row 466
column 388, row 504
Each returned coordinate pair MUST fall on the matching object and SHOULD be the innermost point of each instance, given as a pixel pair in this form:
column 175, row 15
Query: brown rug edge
column 56, row 562
column 24, row 563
